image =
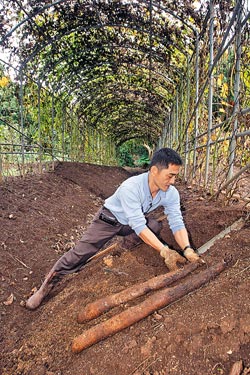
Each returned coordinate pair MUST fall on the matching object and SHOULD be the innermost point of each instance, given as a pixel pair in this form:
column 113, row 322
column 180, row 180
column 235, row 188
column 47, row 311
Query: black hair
column 165, row 156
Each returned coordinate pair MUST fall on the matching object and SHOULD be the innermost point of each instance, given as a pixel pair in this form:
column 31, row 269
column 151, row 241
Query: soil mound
column 41, row 217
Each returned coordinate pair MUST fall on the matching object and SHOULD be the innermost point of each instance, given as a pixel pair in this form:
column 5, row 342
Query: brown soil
column 42, row 216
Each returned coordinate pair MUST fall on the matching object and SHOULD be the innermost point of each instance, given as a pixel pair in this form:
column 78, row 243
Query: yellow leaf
column 219, row 79
column 213, row 137
column 222, row 110
column 4, row 81
column 224, row 89
column 226, row 103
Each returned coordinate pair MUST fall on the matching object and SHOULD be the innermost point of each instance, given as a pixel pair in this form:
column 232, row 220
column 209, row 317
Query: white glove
column 171, row 258
column 192, row 256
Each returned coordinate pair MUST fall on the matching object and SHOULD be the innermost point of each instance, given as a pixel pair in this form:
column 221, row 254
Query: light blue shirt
column 132, row 200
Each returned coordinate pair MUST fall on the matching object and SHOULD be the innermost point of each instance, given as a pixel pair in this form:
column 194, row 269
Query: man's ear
column 154, row 170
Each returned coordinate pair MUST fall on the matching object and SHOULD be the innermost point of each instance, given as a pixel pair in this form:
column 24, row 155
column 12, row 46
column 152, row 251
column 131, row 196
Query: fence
column 210, row 119
column 208, row 122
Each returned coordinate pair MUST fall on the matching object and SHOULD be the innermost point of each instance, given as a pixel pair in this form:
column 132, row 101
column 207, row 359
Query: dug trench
column 42, row 216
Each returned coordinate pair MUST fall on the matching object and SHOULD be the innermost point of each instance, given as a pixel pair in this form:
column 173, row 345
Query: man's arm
column 150, row 239
column 171, row 257
column 175, row 220
column 181, row 237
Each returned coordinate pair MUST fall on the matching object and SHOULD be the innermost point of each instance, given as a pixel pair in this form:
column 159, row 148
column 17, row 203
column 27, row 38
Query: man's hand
column 171, row 258
column 192, row 256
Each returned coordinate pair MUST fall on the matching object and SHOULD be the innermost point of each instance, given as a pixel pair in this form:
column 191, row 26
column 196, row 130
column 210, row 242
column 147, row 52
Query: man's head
column 164, row 168
column 165, row 156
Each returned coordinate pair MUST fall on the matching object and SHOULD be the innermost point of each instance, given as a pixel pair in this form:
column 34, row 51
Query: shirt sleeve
column 173, row 210
column 130, row 199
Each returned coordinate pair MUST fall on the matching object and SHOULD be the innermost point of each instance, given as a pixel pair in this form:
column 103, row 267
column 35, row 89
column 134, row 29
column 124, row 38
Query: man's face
column 163, row 178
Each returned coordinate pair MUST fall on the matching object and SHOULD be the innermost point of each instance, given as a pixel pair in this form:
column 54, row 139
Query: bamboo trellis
column 215, row 138
column 208, row 121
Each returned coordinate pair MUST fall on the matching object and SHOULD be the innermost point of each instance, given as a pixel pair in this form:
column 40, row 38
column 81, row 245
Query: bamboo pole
column 237, row 80
column 238, row 224
column 211, row 92
column 226, row 184
column 196, row 121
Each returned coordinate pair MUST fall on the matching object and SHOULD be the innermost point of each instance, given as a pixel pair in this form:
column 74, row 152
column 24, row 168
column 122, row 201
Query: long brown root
column 134, row 314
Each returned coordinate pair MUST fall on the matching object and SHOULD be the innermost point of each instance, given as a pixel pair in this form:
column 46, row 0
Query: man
column 125, row 213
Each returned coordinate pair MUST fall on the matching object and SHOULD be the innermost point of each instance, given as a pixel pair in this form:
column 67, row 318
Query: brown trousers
column 97, row 234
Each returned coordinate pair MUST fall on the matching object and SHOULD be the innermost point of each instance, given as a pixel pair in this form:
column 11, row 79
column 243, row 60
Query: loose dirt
column 42, row 216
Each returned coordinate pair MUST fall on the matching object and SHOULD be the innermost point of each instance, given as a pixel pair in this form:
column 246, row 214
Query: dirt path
column 42, row 216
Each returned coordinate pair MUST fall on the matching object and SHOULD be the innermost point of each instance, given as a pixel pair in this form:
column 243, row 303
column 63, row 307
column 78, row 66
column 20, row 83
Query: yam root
column 95, row 309
column 134, row 314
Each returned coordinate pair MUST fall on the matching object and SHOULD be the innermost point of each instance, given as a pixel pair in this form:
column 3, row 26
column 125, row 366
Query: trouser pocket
column 108, row 218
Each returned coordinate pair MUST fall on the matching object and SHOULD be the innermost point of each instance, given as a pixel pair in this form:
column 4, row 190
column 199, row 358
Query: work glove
column 171, row 258
column 192, row 256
